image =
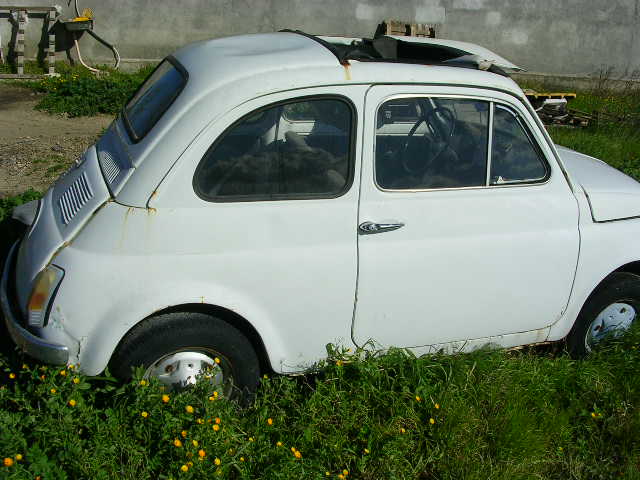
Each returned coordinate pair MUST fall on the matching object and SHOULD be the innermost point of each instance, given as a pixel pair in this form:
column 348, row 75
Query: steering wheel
column 441, row 122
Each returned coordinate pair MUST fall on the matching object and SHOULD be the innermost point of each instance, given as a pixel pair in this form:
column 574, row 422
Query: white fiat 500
column 262, row 196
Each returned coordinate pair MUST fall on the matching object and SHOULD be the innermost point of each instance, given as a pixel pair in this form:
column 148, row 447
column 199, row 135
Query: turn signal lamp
column 45, row 287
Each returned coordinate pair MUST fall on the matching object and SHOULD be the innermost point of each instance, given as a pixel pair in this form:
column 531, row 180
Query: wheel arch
column 560, row 330
column 229, row 316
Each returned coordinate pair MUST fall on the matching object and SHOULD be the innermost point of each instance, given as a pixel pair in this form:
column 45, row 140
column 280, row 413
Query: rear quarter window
column 153, row 98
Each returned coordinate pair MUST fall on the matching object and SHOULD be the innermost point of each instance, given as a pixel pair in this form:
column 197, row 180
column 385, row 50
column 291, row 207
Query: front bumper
column 31, row 344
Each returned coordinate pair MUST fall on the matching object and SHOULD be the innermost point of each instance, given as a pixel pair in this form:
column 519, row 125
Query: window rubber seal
column 278, row 196
column 135, row 138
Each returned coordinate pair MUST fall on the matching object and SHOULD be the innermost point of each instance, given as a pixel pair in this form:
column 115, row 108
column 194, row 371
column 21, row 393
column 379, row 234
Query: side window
column 514, row 158
column 269, row 156
column 424, row 143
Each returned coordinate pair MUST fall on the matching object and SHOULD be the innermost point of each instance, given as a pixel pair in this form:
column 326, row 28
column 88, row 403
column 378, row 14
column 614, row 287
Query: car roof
column 289, row 60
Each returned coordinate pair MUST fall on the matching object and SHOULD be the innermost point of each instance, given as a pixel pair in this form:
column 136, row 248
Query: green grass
column 485, row 415
column 620, row 147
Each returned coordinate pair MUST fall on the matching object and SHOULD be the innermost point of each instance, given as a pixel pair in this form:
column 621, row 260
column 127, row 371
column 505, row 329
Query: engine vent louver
column 109, row 166
column 74, row 198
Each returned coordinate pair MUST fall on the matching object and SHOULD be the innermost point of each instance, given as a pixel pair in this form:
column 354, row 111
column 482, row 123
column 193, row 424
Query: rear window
column 153, row 98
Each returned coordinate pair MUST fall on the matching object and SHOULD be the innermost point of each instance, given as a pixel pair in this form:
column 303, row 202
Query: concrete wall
column 558, row 37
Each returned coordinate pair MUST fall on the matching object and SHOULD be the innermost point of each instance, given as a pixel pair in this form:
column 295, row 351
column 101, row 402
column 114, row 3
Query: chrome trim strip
column 34, row 346
column 490, row 144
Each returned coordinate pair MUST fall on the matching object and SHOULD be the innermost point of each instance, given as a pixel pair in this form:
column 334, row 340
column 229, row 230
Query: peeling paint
column 517, row 37
column 430, row 14
column 493, row 19
column 365, row 11
column 469, row 4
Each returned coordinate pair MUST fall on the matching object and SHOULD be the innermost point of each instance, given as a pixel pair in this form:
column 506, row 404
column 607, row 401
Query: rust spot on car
column 347, row 69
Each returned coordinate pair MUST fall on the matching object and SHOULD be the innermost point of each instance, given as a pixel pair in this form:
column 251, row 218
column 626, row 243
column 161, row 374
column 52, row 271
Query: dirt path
column 36, row 147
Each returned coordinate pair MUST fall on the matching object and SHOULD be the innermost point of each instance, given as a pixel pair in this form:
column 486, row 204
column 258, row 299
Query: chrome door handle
column 367, row 228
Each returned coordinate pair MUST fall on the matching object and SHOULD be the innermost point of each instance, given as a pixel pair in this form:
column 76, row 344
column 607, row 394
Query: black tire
column 620, row 287
column 157, row 337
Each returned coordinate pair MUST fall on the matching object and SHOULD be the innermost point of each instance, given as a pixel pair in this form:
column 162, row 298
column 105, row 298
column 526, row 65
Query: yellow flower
column 189, row 454
column 340, row 476
column 63, row 372
column 202, row 453
column 279, row 444
column 184, row 468
column 53, row 390
column 194, row 442
column 212, row 398
column 12, row 375
column 217, row 360
column 189, row 409
column 242, row 459
column 216, row 428
column 217, row 461
column 18, row 457
column 298, row 454
column 269, row 421
column 71, row 367
column 42, row 377
column 218, row 421
column 144, row 414
column 24, row 366
column 265, row 376
column 437, row 406
column 72, row 403
column 327, row 474
column 418, row 399
column 190, row 464
column 231, row 451
column 143, row 383
column 251, row 439
column 165, row 398
column 339, row 363
column 432, row 421
column 8, row 462
column 293, row 449
column 76, row 380
column 177, row 443
column 366, row 451
column 402, row 430
column 593, row 414
column 183, row 433
column 200, row 421
column 345, row 472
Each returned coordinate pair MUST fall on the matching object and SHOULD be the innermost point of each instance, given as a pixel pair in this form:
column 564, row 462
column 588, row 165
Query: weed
column 77, row 92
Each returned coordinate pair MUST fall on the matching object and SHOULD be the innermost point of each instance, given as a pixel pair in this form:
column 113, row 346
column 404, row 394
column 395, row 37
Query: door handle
column 368, row 228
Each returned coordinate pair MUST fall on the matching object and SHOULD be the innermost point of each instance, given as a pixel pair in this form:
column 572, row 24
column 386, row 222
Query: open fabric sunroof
column 387, row 48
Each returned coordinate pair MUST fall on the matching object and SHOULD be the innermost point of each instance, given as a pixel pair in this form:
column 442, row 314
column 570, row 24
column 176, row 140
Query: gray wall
column 549, row 36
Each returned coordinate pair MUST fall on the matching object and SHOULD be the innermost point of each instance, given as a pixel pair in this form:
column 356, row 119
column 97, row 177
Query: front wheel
column 181, row 348
column 609, row 312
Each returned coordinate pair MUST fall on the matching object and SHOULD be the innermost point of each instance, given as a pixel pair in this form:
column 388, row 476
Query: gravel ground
column 36, row 147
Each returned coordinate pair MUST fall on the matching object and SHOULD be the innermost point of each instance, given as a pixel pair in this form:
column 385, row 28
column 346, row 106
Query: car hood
column 612, row 194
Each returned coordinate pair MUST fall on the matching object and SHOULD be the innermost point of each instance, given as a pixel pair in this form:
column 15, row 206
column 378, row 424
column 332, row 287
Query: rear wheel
column 609, row 312
column 183, row 347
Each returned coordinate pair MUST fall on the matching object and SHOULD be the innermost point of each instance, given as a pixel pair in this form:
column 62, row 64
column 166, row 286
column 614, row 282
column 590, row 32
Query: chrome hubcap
column 180, row 369
column 613, row 320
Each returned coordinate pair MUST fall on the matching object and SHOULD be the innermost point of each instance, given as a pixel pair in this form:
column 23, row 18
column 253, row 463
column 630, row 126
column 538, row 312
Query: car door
column 265, row 202
column 467, row 227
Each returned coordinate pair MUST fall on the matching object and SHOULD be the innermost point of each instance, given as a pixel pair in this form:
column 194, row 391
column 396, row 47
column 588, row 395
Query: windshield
column 153, row 98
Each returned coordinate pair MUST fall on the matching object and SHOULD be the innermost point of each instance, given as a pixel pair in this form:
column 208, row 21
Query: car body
column 307, row 197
